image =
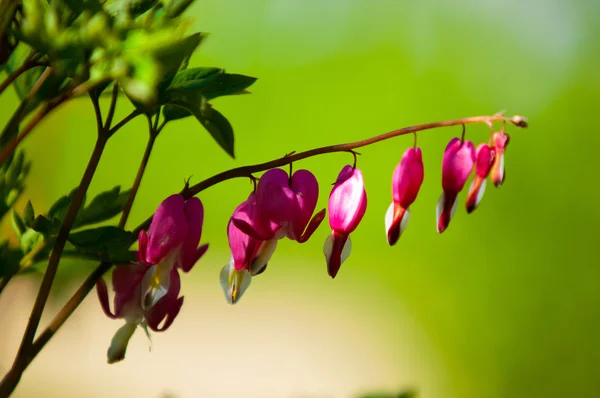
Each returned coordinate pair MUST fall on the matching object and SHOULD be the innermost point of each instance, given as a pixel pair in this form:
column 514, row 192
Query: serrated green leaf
column 103, row 207
column 28, row 214
column 213, row 121
column 102, row 241
column 17, row 224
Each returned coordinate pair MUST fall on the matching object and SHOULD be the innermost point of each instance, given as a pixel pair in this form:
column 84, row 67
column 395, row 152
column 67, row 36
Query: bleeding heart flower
column 501, row 141
column 129, row 304
column 459, row 158
column 285, row 206
column 406, row 182
column 484, row 160
column 347, row 206
column 249, row 255
column 171, row 242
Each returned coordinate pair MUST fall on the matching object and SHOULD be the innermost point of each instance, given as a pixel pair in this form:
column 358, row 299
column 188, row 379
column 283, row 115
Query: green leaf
column 172, row 56
column 210, row 82
column 129, row 7
column 195, row 77
column 28, row 214
column 103, row 207
column 45, row 226
column 175, row 8
column 213, row 121
column 79, row 6
column 227, row 84
column 106, row 242
column 17, row 224
column 59, row 209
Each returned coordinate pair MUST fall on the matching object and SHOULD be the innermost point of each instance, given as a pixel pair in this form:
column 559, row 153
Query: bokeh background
column 504, row 304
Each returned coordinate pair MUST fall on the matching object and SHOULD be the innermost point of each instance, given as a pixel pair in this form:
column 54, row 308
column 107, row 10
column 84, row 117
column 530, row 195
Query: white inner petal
column 454, row 206
column 155, row 285
column 389, row 217
column 328, row 247
column 438, row 210
column 264, row 255
column 346, row 250
column 118, row 344
column 481, row 192
column 404, row 222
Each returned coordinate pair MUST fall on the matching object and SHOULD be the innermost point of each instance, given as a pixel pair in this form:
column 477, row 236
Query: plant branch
column 23, row 356
column 125, row 120
column 245, row 171
column 13, row 123
column 138, row 178
column 97, row 111
column 40, row 115
column 5, row 280
column 30, row 62
column 113, row 105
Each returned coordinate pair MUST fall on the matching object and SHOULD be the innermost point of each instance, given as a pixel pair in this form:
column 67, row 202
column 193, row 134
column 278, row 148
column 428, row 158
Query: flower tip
column 336, row 249
column 445, row 210
column 475, row 195
column 118, row 344
column 234, row 282
column 396, row 221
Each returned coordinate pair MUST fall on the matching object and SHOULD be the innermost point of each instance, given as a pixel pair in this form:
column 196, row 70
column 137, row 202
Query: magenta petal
column 484, row 159
column 167, row 307
column 194, row 212
column 243, row 247
column 312, row 226
column 102, row 291
column 407, row 178
column 199, row 253
column 142, row 245
column 168, row 229
column 306, row 190
column 274, row 197
column 347, row 201
column 246, row 228
column 458, row 162
column 126, row 280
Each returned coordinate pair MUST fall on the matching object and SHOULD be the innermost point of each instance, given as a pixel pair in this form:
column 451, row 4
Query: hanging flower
column 347, row 206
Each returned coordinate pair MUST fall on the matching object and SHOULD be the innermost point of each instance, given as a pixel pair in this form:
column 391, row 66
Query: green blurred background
column 504, row 304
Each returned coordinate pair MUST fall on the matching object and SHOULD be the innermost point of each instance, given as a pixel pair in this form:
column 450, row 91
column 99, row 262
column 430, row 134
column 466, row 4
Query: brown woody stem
column 23, row 358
